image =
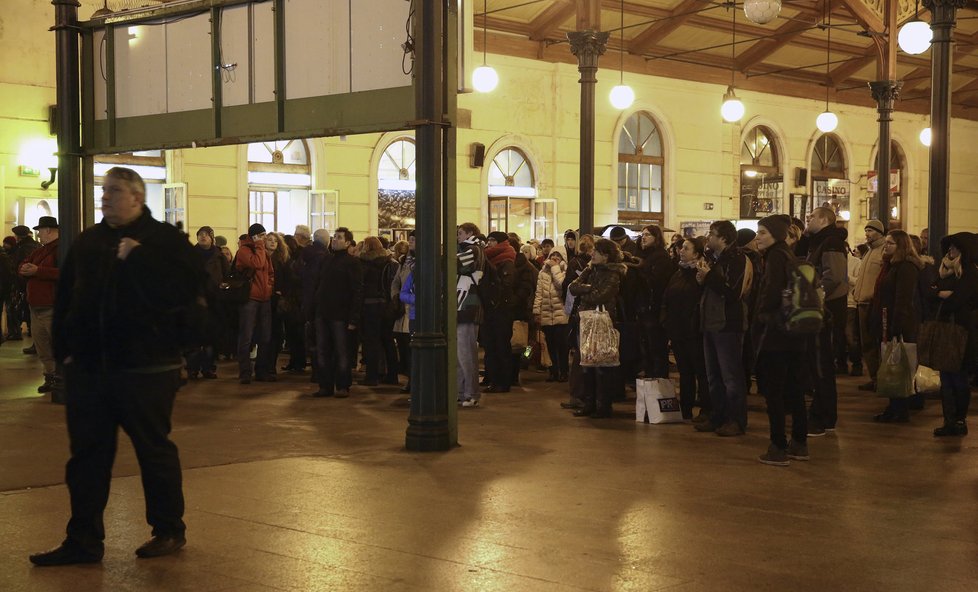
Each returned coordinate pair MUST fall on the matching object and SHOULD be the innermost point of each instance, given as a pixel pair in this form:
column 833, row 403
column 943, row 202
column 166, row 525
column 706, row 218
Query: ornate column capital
column 885, row 92
column 587, row 46
column 943, row 12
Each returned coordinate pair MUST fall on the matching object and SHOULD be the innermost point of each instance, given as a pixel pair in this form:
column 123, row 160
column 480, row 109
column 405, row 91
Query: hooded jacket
column 828, row 253
column 548, row 304
column 767, row 330
column 254, row 256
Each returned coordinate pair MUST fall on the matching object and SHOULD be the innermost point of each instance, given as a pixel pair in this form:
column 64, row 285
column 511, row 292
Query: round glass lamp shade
column 827, row 122
column 914, row 37
column 732, row 109
column 622, row 96
column 925, row 136
column 762, row 11
column 485, row 79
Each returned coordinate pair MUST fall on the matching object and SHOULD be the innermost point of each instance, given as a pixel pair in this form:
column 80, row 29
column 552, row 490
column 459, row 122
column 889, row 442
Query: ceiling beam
column 849, row 69
column 763, row 49
column 588, row 15
column 867, row 17
column 664, row 26
column 549, row 21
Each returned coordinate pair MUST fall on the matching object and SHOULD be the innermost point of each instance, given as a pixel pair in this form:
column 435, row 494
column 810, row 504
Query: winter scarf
column 501, row 253
column 949, row 266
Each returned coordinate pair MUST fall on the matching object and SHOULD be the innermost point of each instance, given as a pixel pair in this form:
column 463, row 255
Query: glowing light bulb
column 485, row 79
column 827, row 122
column 914, row 37
column 925, row 136
column 622, row 96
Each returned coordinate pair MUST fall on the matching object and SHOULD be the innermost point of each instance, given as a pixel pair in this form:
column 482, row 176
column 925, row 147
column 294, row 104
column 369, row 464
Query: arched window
column 640, row 165
column 513, row 202
column 279, row 179
column 396, row 189
column 166, row 202
column 829, row 176
column 898, row 165
column 761, row 178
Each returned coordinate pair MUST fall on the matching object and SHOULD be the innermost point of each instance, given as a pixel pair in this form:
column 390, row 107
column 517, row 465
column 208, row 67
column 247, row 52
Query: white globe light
column 914, row 37
column 732, row 109
column 485, row 79
column 762, row 11
column 827, row 122
column 925, row 136
column 622, row 96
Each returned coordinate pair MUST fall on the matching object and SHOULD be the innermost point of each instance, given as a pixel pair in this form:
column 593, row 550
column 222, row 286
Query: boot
column 48, row 383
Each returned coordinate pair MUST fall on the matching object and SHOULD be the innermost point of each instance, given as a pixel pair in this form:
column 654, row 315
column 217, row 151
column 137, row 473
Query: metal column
column 885, row 92
column 587, row 46
column 69, row 123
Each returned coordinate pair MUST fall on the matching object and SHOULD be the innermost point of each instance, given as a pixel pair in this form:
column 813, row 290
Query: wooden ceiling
column 692, row 40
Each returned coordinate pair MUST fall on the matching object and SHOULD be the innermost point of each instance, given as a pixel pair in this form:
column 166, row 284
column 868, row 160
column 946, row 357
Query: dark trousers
column 823, row 410
column 267, row 362
column 202, row 359
column 370, row 336
column 839, row 309
column 97, row 405
column 855, row 346
column 724, row 357
column 254, row 326
column 333, row 355
column 389, row 346
column 776, row 372
column 656, row 349
column 694, row 388
column 556, row 336
column 295, row 336
column 403, row 341
column 497, row 333
column 955, row 396
column 599, row 386
column 15, row 314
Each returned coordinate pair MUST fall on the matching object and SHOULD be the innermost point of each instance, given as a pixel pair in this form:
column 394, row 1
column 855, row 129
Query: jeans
column 467, row 367
column 41, row 318
column 97, row 405
column 694, row 388
column 955, row 396
column 254, row 326
column 723, row 352
column 824, row 407
column 334, row 371
column 776, row 372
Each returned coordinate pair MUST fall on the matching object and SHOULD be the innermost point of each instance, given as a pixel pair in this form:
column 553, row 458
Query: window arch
column 640, row 171
column 397, row 189
column 830, row 176
column 513, row 202
column 166, row 202
column 279, row 181
column 761, row 178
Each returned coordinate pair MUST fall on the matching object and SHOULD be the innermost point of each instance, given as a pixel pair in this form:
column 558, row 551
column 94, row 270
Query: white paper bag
column 656, row 399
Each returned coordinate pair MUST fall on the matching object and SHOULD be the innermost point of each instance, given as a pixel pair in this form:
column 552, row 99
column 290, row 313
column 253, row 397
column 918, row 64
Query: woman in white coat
column 548, row 312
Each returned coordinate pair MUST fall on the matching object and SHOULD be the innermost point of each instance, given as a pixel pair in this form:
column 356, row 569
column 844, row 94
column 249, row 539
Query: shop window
column 279, row 182
column 829, row 177
column 397, row 189
column 761, row 178
column 513, row 202
column 898, row 167
column 640, row 166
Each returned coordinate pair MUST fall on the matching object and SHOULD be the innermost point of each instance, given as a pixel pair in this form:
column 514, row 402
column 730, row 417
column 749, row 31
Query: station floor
column 286, row 492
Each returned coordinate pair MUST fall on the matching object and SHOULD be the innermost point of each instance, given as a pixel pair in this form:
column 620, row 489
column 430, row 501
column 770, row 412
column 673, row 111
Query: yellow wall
column 535, row 108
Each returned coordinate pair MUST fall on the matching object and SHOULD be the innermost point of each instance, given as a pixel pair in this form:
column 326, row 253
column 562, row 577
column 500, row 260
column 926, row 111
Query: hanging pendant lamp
column 484, row 78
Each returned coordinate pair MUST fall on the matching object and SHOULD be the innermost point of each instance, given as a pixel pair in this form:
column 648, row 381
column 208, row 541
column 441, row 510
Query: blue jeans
column 254, row 326
column 724, row 352
column 333, row 355
column 467, row 367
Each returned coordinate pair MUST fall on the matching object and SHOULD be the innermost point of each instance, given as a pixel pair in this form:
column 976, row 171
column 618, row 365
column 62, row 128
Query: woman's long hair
column 905, row 250
column 371, row 248
column 609, row 249
column 281, row 252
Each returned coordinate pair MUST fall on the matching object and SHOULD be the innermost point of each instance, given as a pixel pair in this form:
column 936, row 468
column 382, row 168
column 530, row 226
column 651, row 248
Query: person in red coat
column 40, row 269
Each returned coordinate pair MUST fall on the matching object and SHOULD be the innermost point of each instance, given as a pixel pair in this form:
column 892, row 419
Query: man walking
column 40, row 269
column 120, row 313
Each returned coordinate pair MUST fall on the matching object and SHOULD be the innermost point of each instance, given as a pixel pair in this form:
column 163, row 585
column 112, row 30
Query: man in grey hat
column 869, row 271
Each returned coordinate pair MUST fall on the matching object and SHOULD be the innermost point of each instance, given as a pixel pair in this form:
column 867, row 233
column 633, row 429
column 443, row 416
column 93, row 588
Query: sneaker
column 731, row 428
column 470, row 403
column 797, row 451
column 775, row 457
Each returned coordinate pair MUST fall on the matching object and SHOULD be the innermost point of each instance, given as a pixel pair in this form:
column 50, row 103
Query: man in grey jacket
column 827, row 252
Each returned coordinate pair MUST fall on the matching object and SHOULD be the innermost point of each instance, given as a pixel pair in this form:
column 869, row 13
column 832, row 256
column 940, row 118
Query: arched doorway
column 641, row 163
column 513, row 202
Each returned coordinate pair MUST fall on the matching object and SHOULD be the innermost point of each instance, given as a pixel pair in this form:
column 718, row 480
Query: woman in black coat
column 657, row 269
column 681, row 323
column 895, row 306
column 954, row 299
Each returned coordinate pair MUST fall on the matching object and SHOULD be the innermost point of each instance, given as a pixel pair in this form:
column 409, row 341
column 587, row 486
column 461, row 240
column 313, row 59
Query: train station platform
column 287, row 492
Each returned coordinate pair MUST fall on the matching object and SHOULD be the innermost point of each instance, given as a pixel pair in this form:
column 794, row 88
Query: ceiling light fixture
column 732, row 109
column 762, row 12
column 484, row 78
column 915, row 36
column 622, row 96
column 827, row 121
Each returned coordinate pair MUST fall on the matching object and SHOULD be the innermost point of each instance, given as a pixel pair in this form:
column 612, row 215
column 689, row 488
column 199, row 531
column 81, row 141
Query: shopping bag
column 927, row 380
column 894, row 378
column 545, row 360
column 656, row 401
column 909, row 348
column 521, row 336
column 599, row 338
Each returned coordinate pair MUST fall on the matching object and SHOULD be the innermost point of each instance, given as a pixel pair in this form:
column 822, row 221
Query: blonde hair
column 585, row 244
column 281, row 252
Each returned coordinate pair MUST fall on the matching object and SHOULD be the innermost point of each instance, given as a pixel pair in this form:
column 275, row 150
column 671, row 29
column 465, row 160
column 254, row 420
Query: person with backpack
column 470, row 268
column 780, row 355
column 827, row 252
column 724, row 321
column 501, row 305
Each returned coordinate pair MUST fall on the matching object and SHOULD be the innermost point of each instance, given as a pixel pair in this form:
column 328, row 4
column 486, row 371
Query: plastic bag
column 599, row 338
column 895, row 377
column 656, row 402
column 927, row 380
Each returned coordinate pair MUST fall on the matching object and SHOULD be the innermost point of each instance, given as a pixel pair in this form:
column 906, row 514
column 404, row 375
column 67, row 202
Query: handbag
column 236, row 287
column 941, row 344
column 895, row 378
column 521, row 336
column 598, row 338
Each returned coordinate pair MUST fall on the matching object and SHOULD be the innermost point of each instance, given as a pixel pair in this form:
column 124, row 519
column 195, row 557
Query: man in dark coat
column 500, row 308
column 18, row 312
column 338, row 302
column 121, row 318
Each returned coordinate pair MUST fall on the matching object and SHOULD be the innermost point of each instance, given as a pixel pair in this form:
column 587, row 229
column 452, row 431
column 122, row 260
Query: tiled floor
column 285, row 492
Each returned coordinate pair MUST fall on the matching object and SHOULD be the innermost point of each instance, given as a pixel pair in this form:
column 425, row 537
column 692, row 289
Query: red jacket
column 253, row 256
column 42, row 285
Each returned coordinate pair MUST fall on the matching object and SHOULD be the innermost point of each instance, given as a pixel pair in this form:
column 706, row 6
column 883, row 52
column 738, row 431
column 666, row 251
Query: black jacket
column 339, row 292
column 524, row 288
column 828, row 253
column 307, row 268
column 599, row 285
column 897, row 299
column 723, row 308
column 657, row 270
column 680, row 312
column 767, row 330
column 131, row 315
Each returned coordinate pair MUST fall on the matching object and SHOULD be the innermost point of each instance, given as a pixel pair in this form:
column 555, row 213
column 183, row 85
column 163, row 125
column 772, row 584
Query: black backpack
column 236, row 287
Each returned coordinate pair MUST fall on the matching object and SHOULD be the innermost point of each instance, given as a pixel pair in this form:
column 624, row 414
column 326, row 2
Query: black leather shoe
column 159, row 546
column 66, row 554
column 266, row 378
column 583, row 412
column 571, row 405
column 30, row 351
column 406, row 388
